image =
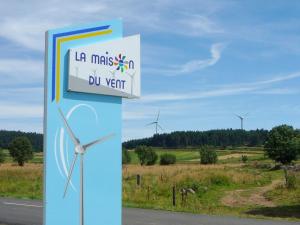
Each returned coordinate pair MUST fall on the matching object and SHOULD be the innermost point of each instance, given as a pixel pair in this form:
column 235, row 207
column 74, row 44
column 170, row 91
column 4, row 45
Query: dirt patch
column 230, row 156
column 235, row 155
column 254, row 196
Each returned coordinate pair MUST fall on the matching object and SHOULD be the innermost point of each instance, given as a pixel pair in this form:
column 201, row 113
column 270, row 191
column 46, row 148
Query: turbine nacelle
column 79, row 149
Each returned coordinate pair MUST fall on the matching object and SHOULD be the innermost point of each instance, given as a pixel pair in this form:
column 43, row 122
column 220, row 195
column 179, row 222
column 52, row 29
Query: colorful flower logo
column 121, row 63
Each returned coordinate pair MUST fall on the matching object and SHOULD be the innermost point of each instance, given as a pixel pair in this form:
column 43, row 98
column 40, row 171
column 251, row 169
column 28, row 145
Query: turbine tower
column 242, row 119
column 156, row 123
column 79, row 150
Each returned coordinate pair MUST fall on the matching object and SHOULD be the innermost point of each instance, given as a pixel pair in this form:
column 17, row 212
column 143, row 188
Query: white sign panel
column 109, row 68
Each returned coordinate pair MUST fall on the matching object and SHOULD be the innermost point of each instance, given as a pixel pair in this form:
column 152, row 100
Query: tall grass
column 210, row 183
column 21, row 182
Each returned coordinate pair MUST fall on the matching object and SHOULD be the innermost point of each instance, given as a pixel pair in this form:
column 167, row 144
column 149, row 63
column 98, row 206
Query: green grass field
column 230, row 187
column 192, row 155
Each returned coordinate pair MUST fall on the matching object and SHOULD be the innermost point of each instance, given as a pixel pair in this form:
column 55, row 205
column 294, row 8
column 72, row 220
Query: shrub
column 126, row 159
column 146, row 155
column 208, row 156
column 151, row 157
column 167, row 159
column 290, row 179
column 20, row 150
column 220, row 180
column 244, row 158
column 2, row 156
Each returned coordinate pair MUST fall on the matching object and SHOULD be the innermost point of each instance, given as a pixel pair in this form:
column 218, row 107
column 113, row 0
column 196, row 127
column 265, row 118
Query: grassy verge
column 210, row 183
column 21, row 182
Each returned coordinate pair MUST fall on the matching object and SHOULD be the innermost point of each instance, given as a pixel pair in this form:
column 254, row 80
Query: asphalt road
column 28, row 212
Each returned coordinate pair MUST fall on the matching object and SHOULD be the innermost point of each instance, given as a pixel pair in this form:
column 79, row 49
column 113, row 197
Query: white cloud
column 134, row 115
column 280, row 78
column 29, row 21
column 196, row 65
column 21, row 65
column 14, row 96
column 198, row 25
column 224, row 90
column 21, row 71
column 27, row 25
column 279, row 91
column 9, row 110
column 191, row 66
column 23, row 125
column 138, row 111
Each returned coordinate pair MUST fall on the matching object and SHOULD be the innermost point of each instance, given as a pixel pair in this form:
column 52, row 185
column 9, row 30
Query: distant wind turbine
column 242, row 119
column 156, row 123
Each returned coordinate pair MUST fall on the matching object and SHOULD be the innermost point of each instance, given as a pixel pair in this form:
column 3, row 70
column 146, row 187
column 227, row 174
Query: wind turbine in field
column 242, row 119
column 79, row 150
column 156, row 123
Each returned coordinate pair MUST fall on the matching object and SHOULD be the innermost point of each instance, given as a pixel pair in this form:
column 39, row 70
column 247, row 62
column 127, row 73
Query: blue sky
column 202, row 61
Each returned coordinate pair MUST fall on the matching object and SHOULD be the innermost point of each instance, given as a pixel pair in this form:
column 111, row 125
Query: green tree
column 141, row 153
column 151, row 157
column 282, row 145
column 220, row 138
column 167, row 159
column 126, row 159
column 20, row 150
column 146, row 155
column 208, row 156
column 2, row 156
column 296, row 144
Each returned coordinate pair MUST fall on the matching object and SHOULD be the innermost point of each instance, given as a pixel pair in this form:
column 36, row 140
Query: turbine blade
column 150, row 123
column 70, row 132
column 70, row 174
column 99, row 140
column 130, row 75
column 238, row 116
column 158, row 116
column 160, row 127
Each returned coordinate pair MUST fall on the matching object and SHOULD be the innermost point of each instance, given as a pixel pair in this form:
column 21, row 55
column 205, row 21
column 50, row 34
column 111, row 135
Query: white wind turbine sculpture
column 79, row 150
column 76, row 68
column 113, row 73
column 156, row 123
column 132, row 80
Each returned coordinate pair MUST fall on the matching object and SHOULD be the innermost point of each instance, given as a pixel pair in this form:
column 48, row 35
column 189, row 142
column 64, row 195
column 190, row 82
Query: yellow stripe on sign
column 58, row 46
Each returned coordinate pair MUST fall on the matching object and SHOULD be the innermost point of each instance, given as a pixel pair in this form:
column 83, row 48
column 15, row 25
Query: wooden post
column 148, row 193
column 174, row 195
column 285, row 175
column 138, row 179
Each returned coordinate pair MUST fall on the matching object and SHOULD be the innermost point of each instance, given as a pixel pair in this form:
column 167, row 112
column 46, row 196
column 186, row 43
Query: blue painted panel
column 90, row 116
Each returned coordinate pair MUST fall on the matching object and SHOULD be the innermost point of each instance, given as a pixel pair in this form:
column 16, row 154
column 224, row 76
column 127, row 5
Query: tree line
column 220, row 138
column 282, row 144
column 36, row 139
